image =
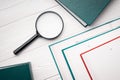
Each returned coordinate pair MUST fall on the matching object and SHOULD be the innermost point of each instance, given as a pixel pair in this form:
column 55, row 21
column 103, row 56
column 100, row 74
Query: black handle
column 25, row 44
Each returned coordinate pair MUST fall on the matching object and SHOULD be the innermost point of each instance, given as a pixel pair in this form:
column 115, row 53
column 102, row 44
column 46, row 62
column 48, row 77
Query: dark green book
column 16, row 72
column 85, row 11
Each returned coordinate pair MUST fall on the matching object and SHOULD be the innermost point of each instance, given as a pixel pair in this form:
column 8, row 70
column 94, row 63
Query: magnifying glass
column 49, row 25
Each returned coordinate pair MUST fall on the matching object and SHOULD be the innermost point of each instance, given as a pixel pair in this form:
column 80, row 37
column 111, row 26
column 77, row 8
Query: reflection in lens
column 49, row 25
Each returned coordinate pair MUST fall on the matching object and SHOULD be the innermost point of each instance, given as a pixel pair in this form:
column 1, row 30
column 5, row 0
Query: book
column 85, row 11
column 16, row 72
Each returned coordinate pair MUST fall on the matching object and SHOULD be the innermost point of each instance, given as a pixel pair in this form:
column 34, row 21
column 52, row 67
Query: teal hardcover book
column 85, row 11
column 16, row 72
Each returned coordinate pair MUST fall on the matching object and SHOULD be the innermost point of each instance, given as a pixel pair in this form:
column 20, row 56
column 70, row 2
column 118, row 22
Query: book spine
column 78, row 19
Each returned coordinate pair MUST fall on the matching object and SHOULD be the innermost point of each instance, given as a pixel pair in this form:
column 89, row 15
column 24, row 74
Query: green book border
column 63, row 50
column 73, row 37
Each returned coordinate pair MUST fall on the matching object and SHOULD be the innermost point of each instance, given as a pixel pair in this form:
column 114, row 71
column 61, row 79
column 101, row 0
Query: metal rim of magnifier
column 42, row 15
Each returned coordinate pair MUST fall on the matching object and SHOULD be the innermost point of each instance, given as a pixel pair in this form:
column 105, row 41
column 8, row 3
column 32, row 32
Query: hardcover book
column 16, row 72
column 85, row 11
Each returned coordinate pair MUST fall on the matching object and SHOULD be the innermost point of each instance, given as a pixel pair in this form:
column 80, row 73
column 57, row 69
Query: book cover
column 16, row 72
column 85, row 11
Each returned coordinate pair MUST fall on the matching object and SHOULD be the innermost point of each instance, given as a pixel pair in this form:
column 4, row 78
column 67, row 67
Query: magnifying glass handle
column 19, row 49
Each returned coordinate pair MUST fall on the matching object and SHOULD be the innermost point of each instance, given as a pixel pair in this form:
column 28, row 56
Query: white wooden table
column 17, row 20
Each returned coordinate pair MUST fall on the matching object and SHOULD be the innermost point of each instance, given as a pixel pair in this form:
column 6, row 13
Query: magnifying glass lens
column 49, row 25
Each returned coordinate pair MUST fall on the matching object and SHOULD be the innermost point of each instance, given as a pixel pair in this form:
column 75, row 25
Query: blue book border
column 63, row 50
column 70, row 38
